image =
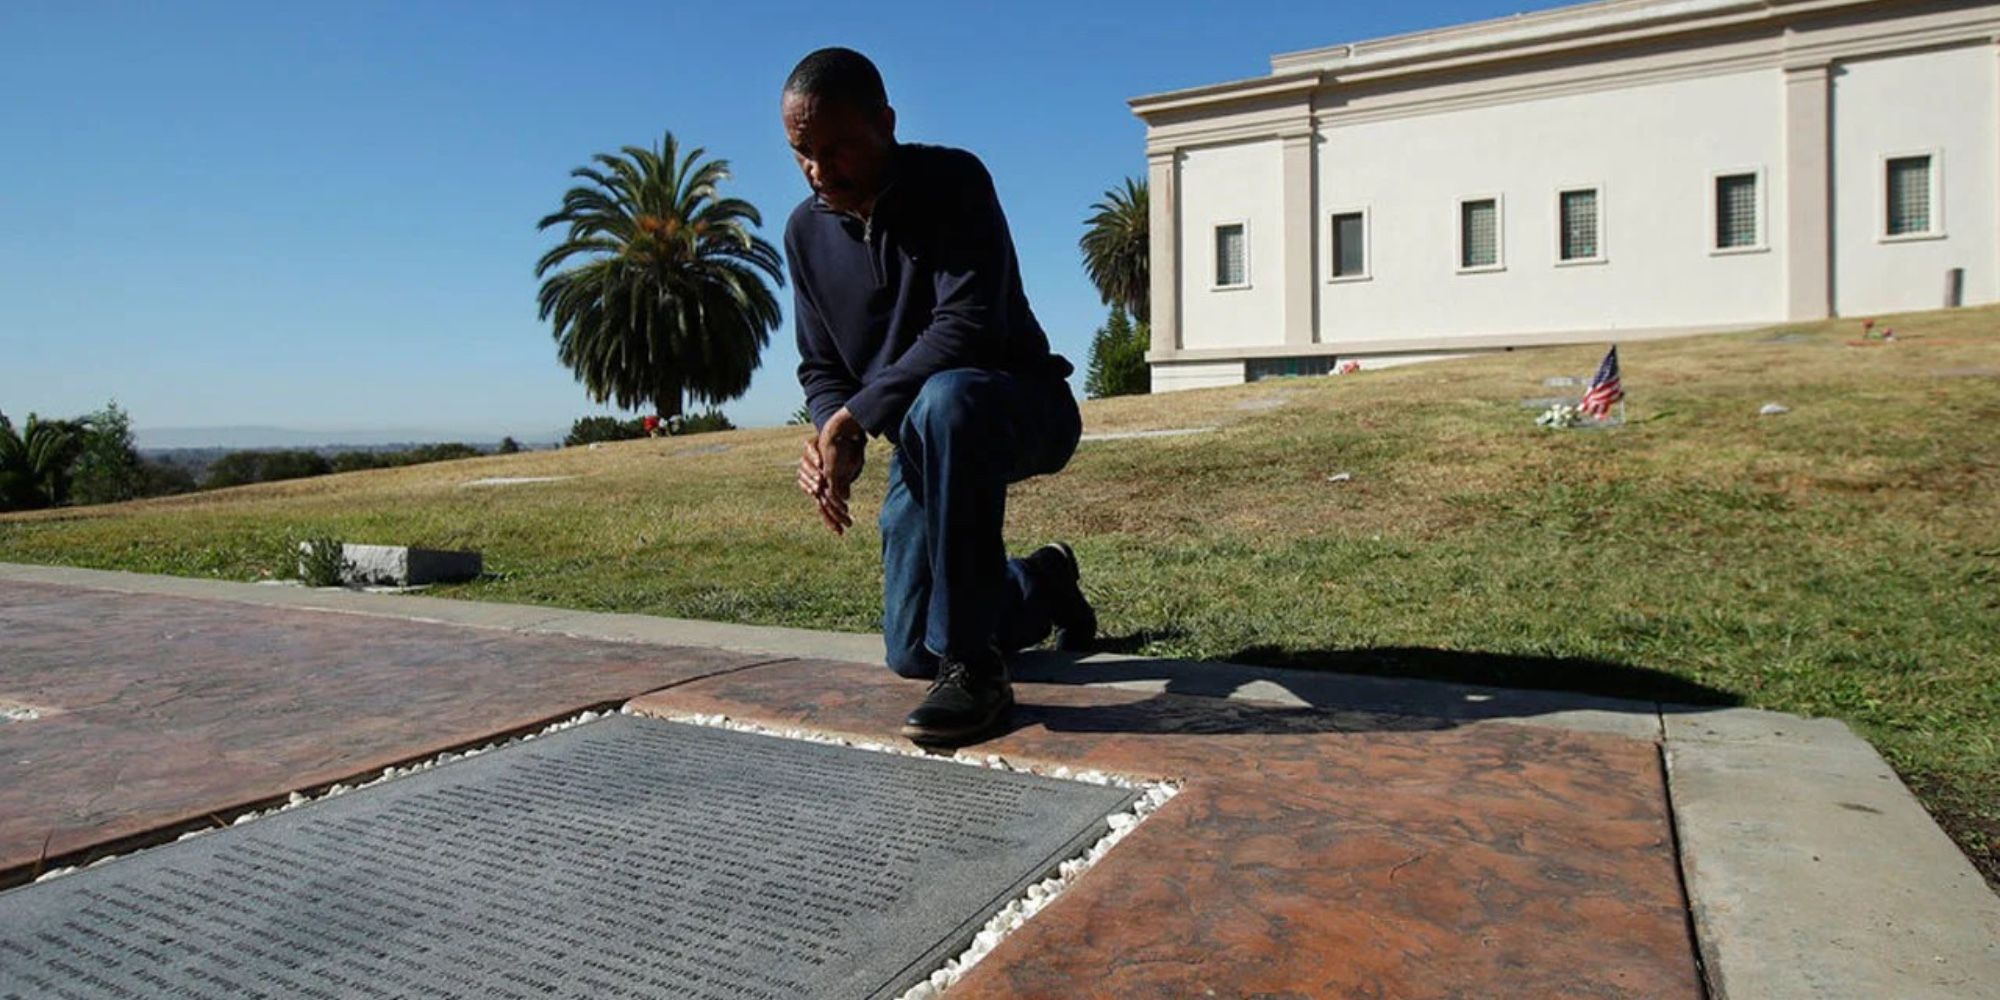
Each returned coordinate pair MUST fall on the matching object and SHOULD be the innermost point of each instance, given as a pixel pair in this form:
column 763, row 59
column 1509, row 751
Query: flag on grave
column 1604, row 389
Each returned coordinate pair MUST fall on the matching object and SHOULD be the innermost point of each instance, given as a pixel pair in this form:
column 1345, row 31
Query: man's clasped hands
column 832, row 461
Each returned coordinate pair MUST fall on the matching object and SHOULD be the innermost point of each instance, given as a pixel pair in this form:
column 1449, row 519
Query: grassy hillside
column 1841, row 559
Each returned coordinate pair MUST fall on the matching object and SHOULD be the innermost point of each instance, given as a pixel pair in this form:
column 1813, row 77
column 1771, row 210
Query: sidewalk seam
column 1702, row 966
column 683, row 682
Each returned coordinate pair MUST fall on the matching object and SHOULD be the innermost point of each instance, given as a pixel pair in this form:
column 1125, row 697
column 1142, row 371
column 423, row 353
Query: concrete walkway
column 1338, row 835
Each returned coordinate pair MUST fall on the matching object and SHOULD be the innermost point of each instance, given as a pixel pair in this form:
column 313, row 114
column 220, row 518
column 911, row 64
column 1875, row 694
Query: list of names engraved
column 625, row 858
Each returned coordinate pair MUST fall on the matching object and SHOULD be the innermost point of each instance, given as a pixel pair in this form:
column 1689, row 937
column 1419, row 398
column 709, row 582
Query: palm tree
column 666, row 300
column 35, row 464
column 1114, row 249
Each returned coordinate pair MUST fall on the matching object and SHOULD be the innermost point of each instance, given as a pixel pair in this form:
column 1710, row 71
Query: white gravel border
column 1153, row 795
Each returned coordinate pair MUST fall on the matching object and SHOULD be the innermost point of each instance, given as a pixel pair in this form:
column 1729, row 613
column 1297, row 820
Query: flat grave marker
column 623, row 858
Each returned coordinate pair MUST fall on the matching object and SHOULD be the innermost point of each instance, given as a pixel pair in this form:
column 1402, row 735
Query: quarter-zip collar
column 868, row 224
column 896, row 157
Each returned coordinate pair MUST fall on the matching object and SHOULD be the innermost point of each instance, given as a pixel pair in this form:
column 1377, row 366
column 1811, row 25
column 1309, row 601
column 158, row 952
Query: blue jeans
column 948, row 588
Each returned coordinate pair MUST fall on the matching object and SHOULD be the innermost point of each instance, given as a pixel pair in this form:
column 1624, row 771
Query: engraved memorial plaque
column 624, row 858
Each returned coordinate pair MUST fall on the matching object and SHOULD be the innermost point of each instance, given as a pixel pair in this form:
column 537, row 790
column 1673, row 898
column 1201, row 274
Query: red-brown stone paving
column 161, row 710
column 1311, row 853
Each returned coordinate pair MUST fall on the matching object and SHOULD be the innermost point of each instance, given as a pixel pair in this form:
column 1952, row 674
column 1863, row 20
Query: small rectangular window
column 1350, row 243
column 1232, row 266
column 1479, row 233
column 1909, row 195
column 1735, row 211
column 1259, row 369
column 1579, row 225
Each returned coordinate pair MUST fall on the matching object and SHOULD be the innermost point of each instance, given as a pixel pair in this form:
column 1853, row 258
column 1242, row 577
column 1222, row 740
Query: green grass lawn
column 1842, row 559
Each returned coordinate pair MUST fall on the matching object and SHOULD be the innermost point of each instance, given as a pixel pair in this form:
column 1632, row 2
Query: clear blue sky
column 321, row 215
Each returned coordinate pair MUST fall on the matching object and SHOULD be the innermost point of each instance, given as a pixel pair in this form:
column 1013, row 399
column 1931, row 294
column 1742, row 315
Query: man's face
column 843, row 150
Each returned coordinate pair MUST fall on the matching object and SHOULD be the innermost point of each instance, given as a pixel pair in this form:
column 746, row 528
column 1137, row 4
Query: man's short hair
column 839, row 74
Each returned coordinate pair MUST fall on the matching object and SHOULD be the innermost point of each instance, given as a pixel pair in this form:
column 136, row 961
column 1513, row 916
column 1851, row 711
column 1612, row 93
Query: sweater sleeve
column 827, row 382
column 974, row 270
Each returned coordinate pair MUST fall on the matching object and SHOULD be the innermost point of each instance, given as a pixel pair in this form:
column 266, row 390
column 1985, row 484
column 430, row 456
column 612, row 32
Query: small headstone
column 1127, row 435
column 1270, row 402
column 515, row 480
column 623, row 858
column 1560, row 381
column 402, row 566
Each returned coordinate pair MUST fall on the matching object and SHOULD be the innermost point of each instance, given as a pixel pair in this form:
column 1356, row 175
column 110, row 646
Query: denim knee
column 953, row 402
column 914, row 664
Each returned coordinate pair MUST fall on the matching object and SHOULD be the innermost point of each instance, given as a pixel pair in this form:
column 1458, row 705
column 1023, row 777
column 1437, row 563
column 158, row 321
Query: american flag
column 1604, row 388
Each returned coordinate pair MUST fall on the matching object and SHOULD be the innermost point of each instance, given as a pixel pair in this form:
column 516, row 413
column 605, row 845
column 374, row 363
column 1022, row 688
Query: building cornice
column 1538, row 32
column 1210, row 116
column 1217, row 95
column 1591, row 26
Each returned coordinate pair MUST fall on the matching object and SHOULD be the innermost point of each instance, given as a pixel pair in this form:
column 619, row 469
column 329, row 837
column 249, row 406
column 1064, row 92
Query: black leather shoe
column 1074, row 619
column 967, row 700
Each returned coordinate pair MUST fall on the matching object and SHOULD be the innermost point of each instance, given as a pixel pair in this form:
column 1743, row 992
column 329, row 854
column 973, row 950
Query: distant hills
column 238, row 438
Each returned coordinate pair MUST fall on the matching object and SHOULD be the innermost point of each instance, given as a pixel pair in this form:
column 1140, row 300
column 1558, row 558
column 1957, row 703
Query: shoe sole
column 926, row 736
column 1067, row 639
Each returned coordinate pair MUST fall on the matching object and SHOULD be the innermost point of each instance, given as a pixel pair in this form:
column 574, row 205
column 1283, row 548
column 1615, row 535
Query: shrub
column 159, row 479
column 436, row 453
column 355, row 461
column 1118, row 359
column 509, row 446
column 322, row 561
column 242, row 467
column 107, row 466
column 704, row 423
column 590, row 430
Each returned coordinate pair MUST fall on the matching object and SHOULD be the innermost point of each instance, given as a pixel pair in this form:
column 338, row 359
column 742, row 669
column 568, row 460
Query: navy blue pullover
column 928, row 284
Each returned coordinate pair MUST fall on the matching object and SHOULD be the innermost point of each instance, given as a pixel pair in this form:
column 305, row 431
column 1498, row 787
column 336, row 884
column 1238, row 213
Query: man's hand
column 832, row 461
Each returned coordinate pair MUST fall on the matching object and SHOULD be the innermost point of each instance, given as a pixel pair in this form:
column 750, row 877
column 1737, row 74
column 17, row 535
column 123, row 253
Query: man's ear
column 888, row 122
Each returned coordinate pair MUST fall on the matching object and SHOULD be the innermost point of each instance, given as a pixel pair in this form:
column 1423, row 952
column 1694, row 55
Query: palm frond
column 661, row 289
column 1116, row 249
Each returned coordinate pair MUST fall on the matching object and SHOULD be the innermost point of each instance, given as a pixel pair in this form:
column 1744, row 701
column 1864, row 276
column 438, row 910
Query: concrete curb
column 1812, row 872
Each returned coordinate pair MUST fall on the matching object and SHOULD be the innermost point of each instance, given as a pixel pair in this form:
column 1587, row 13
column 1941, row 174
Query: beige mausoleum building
column 1614, row 170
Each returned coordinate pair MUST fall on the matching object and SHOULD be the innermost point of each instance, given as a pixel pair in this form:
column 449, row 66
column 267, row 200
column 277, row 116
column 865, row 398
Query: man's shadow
column 1265, row 689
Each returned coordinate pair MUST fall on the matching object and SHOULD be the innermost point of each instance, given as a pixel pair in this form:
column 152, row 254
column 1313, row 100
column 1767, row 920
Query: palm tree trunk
column 667, row 402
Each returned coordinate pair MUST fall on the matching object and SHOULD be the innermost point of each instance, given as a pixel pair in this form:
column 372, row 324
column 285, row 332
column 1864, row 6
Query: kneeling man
column 913, row 326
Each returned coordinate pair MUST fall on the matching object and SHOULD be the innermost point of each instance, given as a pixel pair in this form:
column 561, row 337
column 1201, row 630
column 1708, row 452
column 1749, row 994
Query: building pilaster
column 1808, row 192
column 1301, row 215
column 1163, row 226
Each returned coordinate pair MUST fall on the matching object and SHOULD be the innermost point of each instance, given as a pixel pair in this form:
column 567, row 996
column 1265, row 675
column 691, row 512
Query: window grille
column 1579, row 225
column 1259, row 369
column 1909, row 195
column 1231, row 267
column 1735, row 211
column 1479, row 233
column 1349, row 245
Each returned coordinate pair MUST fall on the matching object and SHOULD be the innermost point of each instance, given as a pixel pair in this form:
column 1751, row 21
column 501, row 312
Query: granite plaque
column 624, row 858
